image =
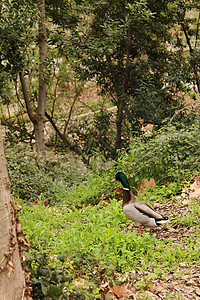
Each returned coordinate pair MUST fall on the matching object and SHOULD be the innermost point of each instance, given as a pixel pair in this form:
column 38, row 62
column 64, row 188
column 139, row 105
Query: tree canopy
column 143, row 55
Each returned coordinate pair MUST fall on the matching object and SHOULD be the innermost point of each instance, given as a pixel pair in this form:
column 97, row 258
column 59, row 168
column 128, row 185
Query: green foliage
column 16, row 132
column 43, row 178
column 85, row 240
column 5, row 91
column 95, row 134
column 89, row 245
column 190, row 218
column 17, row 28
column 124, row 48
column 60, row 275
column 169, row 156
column 120, row 44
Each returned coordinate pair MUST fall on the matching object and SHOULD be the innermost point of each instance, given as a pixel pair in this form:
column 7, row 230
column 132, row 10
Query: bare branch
column 71, row 108
column 197, row 31
column 26, row 97
column 176, row 113
column 66, row 140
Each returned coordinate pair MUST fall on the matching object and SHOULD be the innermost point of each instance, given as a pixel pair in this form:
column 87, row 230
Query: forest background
column 88, row 88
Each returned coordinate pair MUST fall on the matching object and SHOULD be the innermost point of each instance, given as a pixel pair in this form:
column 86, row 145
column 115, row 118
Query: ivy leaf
column 61, row 258
column 44, row 290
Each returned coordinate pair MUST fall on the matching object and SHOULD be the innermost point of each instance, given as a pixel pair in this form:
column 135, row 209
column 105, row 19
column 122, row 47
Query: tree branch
column 191, row 52
column 71, row 108
column 197, row 31
column 26, row 97
column 176, row 113
column 65, row 139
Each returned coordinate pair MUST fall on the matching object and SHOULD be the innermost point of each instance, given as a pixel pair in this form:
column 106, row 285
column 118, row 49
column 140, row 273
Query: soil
column 184, row 282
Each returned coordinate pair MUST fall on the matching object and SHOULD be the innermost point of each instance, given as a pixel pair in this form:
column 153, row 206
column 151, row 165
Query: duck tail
column 161, row 221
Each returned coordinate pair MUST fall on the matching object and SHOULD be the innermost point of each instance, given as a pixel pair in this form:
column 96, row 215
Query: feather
column 136, row 210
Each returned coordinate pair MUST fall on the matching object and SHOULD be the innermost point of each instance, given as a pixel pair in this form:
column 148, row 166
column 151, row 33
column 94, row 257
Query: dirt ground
column 184, row 282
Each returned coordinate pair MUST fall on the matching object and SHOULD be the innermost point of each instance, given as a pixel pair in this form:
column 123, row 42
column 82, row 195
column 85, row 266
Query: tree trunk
column 40, row 114
column 121, row 99
column 12, row 277
column 187, row 37
column 38, row 117
column 120, row 109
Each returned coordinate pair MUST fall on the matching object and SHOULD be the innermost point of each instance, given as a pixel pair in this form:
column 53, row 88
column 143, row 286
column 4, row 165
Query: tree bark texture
column 121, row 100
column 120, row 110
column 12, row 277
column 40, row 114
column 38, row 117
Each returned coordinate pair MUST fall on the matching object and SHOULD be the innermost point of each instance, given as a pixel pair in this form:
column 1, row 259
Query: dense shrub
column 84, row 241
column 168, row 155
column 34, row 178
column 95, row 134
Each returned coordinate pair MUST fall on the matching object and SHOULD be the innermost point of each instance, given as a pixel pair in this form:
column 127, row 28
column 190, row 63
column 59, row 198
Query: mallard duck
column 136, row 210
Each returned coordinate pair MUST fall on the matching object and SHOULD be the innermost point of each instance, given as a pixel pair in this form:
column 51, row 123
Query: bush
column 95, row 134
column 169, row 155
column 43, row 178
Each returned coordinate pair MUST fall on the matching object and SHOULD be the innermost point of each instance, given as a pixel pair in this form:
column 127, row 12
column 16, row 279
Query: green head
column 120, row 176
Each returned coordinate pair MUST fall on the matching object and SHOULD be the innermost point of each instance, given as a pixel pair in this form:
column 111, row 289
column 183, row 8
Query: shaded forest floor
column 82, row 244
column 184, row 281
column 86, row 225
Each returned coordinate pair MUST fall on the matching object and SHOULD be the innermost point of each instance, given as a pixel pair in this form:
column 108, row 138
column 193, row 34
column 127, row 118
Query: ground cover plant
column 34, row 178
column 94, row 246
column 84, row 247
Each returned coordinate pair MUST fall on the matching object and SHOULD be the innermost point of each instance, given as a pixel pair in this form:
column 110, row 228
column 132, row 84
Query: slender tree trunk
column 122, row 101
column 196, row 73
column 120, row 110
column 12, row 277
column 40, row 114
column 25, row 92
column 38, row 117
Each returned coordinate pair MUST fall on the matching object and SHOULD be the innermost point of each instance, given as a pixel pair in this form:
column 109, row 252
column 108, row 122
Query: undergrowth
column 80, row 240
column 43, row 178
column 90, row 245
column 170, row 156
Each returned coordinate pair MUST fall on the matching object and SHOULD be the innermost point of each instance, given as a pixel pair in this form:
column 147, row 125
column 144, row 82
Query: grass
column 83, row 240
column 93, row 240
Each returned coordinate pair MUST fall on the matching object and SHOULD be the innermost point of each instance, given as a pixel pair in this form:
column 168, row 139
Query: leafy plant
column 170, row 156
column 95, row 134
column 43, row 178
column 79, row 248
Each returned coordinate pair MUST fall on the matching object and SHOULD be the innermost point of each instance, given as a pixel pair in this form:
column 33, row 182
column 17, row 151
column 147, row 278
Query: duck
column 136, row 210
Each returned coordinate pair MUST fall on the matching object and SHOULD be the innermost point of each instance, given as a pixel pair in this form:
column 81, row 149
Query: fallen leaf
column 80, row 282
column 120, row 290
column 197, row 179
column 21, row 238
column 110, row 295
column 159, row 287
column 153, row 288
column 18, row 206
column 102, row 197
column 156, row 287
column 147, row 184
column 194, row 189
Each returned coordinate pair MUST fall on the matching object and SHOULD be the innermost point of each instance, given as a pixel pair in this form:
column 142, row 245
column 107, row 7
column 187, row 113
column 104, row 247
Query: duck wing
column 147, row 210
column 143, row 213
column 134, row 214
